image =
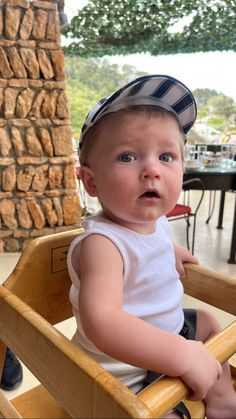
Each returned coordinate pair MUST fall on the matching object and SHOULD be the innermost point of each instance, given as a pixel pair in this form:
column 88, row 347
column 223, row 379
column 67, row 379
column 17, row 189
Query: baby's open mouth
column 150, row 194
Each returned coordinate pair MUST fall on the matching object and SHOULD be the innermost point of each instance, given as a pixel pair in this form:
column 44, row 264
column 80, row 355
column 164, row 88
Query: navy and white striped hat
column 158, row 90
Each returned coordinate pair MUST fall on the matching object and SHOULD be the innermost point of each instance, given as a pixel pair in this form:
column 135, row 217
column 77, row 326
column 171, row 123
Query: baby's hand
column 204, row 371
column 183, row 255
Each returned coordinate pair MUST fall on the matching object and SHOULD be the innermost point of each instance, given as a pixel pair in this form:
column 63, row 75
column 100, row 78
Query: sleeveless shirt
column 152, row 290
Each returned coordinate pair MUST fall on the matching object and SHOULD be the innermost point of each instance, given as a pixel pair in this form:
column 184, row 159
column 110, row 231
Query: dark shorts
column 188, row 331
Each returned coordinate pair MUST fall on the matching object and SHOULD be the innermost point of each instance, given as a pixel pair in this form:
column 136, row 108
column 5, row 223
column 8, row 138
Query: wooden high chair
column 35, row 297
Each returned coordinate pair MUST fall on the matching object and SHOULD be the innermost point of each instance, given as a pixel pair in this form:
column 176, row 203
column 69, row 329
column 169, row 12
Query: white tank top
column 152, row 288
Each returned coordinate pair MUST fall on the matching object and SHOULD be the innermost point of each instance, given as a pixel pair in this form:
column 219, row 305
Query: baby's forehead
column 126, row 126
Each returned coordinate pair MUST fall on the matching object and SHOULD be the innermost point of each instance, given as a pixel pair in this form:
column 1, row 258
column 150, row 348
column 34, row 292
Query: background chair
column 35, row 297
column 184, row 211
column 215, row 149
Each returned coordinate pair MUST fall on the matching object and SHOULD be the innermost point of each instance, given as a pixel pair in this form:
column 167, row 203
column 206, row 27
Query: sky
column 212, row 70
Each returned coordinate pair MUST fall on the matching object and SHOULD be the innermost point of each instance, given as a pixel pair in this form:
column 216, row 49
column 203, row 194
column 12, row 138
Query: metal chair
column 183, row 211
column 214, row 148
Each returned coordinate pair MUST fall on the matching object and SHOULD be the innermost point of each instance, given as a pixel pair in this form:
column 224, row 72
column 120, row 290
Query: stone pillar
column 38, row 190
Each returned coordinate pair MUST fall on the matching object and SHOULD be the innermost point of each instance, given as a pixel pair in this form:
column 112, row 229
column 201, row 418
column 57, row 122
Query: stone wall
column 38, row 190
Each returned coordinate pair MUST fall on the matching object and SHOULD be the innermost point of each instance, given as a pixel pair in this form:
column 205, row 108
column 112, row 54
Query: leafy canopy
column 111, row 27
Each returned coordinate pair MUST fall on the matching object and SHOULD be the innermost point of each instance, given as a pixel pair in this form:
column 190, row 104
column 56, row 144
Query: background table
column 218, row 179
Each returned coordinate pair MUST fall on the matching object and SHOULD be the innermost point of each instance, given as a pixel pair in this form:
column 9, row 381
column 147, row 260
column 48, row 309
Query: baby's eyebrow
column 124, row 144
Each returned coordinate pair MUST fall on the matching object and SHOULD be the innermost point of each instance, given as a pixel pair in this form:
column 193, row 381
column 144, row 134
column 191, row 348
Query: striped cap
column 158, row 90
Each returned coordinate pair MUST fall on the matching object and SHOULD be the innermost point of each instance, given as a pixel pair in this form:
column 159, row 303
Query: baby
column 126, row 292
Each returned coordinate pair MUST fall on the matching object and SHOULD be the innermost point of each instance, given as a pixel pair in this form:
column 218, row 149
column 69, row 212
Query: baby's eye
column 166, row 157
column 127, row 158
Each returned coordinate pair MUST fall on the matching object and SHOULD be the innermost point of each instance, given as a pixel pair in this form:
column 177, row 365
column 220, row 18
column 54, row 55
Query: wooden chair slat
column 212, row 287
column 36, row 296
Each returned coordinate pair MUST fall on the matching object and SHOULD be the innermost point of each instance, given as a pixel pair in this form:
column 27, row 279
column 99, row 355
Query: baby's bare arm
column 126, row 337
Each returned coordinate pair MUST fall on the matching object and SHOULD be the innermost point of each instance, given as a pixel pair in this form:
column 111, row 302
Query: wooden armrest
column 211, row 287
column 161, row 396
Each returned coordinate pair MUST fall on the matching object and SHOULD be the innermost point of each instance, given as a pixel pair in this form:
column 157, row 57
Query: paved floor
column 212, row 249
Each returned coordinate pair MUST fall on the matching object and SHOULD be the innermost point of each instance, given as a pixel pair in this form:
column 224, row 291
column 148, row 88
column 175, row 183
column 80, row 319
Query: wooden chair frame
column 35, row 297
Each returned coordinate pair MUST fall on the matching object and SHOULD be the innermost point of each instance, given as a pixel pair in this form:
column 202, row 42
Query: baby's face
column 137, row 168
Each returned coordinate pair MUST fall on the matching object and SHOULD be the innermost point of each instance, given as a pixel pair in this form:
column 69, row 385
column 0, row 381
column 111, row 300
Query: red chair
column 182, row 211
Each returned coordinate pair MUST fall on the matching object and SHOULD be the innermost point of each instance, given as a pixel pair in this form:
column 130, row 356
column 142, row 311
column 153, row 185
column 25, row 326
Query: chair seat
column 38, row 403
column 179, row 210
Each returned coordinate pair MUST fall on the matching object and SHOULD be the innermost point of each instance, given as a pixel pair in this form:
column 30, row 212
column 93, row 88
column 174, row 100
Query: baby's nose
column 151, row 170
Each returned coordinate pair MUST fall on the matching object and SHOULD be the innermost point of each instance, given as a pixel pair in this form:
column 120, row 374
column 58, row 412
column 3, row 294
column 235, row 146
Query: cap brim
column 156, row 90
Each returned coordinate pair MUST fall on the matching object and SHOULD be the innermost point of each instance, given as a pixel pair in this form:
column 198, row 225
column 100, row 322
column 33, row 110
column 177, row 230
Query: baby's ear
column 87, row 177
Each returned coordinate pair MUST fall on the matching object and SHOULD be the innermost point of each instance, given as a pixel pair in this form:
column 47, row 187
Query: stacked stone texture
column 38, row 190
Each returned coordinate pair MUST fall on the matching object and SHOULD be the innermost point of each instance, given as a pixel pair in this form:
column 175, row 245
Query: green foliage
column 217, row 123
column 202, row 96
column 89, row 80
column 110, row 27
column 220, row 110
column 222, row 105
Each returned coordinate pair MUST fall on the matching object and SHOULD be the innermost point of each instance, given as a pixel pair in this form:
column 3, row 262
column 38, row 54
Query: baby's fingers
column 201, row 389
column 198, row 394
column 180, row 269
column 220, row 371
